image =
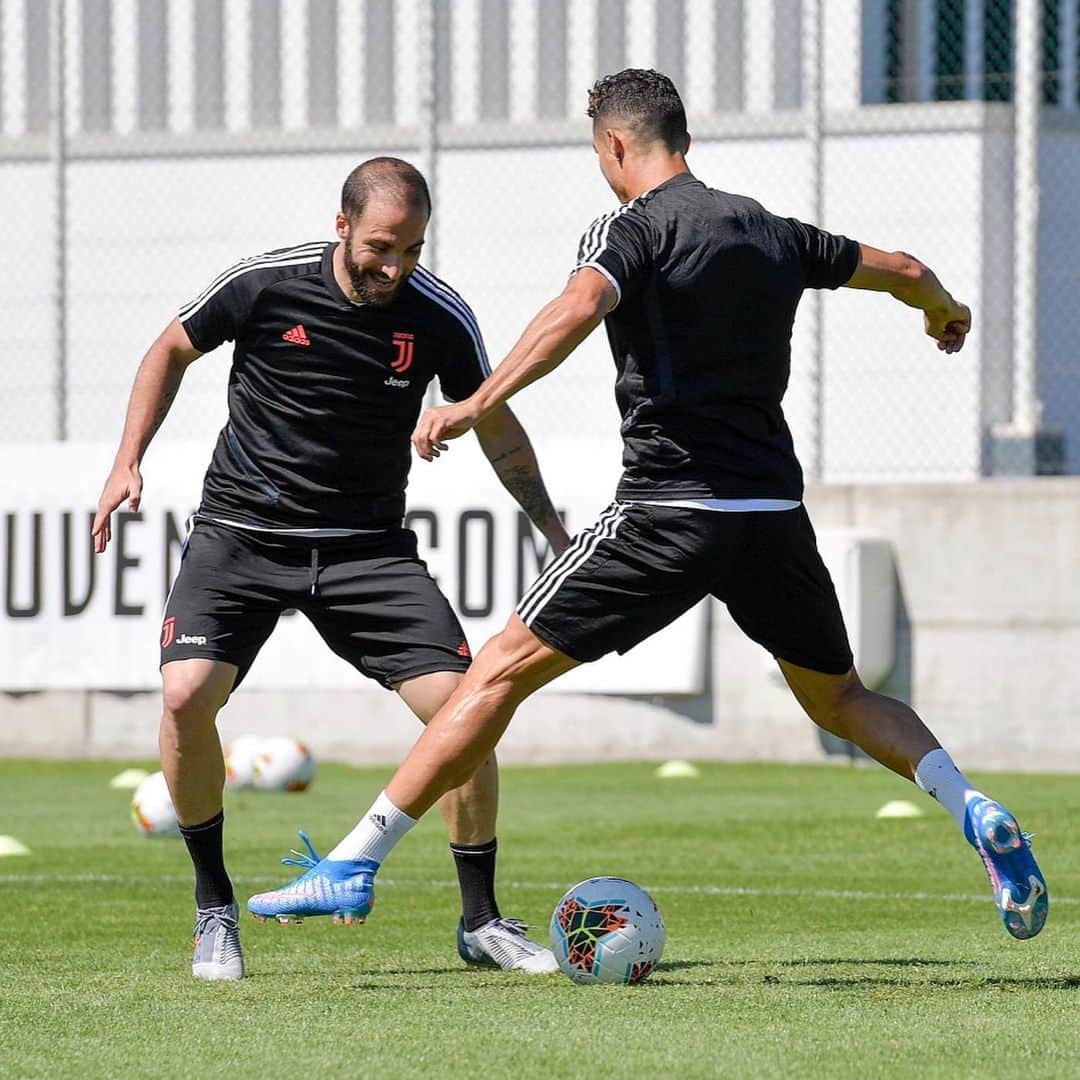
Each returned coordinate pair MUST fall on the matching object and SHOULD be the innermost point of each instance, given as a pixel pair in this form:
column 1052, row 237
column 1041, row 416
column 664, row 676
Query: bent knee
column 519, row 658
column 191, row 696
column 833, row 702
column 457, row 774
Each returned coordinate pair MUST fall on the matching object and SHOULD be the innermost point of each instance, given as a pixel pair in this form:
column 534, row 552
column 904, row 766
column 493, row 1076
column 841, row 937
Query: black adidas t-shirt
column 324, row 393
column 708, row 285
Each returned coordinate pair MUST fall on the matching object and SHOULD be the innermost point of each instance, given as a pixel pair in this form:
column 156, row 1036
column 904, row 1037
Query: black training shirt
column 324, row 393
column 708, row 285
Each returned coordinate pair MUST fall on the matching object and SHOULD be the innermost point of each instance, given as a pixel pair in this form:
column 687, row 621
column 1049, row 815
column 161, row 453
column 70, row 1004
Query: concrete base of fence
column 987, row 630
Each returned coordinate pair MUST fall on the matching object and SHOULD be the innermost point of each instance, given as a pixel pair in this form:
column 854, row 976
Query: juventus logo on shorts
column 168, row 632
column 404, row 343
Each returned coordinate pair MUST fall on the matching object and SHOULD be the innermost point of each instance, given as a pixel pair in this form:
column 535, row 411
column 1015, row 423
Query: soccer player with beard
column 698, row 289
column 302, row 507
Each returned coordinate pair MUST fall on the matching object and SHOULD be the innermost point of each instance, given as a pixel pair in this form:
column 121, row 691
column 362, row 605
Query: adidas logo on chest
column 296, row 335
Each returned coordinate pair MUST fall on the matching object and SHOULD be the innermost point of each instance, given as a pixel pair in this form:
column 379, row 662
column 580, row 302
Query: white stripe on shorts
column 572, row 559
column 189, row 525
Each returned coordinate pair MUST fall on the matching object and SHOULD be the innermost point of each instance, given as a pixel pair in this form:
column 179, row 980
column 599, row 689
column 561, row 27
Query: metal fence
column 147, row 144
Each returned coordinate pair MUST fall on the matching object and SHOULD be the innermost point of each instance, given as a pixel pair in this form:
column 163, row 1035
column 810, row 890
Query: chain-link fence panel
column 194, row 133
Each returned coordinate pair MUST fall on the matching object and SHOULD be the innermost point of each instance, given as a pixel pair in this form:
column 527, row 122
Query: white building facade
column 201, row 131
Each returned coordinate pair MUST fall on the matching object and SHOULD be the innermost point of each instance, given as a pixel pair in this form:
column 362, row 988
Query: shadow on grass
column 477, row 971
column 460, row 970
column 900, row 961
column 736, row 973
column 476, row 985
column 683, row 965
column 1064, row 982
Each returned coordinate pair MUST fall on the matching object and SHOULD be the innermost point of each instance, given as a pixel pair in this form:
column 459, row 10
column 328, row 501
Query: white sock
column 939, row 777
column 376, row 833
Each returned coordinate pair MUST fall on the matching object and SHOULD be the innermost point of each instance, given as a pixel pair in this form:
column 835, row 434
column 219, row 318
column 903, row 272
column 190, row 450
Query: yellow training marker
column 900, row 808
column 678, row 770
column 129, row 778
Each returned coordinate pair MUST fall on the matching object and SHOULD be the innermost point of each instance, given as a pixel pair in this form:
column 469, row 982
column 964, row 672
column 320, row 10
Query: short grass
column 805, row 938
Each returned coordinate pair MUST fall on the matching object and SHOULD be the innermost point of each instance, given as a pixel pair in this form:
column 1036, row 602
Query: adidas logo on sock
column 379, row 821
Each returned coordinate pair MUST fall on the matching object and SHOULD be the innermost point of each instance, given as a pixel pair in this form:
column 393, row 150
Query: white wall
column 989, row 578
column 148, row 234
column 26, row 375
column 895, row 408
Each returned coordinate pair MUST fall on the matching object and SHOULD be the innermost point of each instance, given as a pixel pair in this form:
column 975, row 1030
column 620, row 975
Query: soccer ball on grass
column 283, row 764
column 151, row 807
column 607, row 930
column 240, row 761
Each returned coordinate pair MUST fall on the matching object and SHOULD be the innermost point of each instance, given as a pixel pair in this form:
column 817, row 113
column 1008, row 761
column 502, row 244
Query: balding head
column 384, row 178
column 384, row 214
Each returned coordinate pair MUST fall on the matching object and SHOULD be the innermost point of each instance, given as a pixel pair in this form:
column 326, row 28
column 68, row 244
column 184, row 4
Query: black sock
column 212, row 885
column 476, row 875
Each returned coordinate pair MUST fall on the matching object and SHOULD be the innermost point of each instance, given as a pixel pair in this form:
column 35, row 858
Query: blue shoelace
column 308, row 861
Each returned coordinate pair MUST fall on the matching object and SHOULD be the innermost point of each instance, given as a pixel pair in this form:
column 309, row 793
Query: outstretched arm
column 507, row 447
column 912, row 283
column 554, row 333
column 156, row 384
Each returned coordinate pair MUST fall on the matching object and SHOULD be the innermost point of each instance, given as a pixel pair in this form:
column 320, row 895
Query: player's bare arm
column 156, row 384
column 552, row 335
column 915, row 284
column 507, row 447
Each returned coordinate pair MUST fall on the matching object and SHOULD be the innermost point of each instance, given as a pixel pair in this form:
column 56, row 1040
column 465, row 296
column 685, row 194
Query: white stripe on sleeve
column 298, row 256
column 427, row 284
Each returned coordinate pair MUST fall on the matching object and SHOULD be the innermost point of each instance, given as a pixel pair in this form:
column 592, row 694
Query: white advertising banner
column 73, row 620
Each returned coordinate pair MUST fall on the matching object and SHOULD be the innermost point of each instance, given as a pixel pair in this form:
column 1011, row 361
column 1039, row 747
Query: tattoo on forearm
column 526, row 485
column 506, row 454
column 162, row 411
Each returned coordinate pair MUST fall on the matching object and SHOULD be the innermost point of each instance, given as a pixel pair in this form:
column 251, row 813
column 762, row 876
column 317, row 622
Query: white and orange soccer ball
column 607, row 930
column 240, row 760
column 283, row 764
column 151, row 808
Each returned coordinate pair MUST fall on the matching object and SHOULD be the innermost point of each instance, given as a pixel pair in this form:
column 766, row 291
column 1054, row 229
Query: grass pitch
column 804, row 936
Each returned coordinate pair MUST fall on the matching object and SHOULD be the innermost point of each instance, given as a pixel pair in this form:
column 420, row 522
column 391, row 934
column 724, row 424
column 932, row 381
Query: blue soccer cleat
column 342, row 888
column 1019, row 887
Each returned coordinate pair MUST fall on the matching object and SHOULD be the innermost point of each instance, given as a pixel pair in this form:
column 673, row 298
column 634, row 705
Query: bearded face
column 372, row 286
column 381, row 249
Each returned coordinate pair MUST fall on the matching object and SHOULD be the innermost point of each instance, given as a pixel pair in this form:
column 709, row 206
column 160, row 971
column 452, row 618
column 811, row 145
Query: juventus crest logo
column 404, row 343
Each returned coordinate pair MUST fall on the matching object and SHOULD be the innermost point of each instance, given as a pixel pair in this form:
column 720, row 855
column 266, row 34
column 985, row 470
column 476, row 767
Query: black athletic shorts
column 371, row 599
column 641, row 566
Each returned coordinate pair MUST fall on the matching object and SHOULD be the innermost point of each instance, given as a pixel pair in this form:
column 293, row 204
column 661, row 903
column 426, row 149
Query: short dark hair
column 646, row 101
column 383, row 176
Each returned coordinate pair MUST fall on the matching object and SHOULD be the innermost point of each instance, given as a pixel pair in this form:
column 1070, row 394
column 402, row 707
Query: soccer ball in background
column 152, row 809
column 240, row 761
column 283, row 764
column 607, row 930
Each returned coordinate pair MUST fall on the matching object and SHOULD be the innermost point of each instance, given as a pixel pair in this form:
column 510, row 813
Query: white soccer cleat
column 217, row 944
column 502, row 943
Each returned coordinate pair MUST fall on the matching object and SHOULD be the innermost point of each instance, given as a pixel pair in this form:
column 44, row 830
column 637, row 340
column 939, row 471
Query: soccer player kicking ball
column 302, row 508
column 698, row 289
